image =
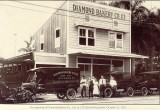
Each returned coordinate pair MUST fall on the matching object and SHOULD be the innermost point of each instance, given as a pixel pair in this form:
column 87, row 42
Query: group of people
column 95, row 88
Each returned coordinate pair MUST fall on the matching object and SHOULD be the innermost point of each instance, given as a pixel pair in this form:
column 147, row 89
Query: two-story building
column 94, row 37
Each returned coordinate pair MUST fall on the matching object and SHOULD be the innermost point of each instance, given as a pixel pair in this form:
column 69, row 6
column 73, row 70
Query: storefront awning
column 100, row 27
column 111, row 54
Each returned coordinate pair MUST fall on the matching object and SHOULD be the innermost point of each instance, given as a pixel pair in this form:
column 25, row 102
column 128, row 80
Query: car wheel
column 71, row 94
column 144, row 91
column 130, row 91
column 60, row 95
column 108, row 92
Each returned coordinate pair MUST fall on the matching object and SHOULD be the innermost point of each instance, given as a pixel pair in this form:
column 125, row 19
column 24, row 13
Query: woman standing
column 95, row 88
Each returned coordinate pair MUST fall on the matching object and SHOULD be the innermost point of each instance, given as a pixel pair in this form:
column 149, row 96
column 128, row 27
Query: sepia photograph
column 86, row 54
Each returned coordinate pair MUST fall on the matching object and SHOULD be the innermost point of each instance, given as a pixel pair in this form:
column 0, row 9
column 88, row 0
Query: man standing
column 102, row 85
column 90, row 84
column 83, row 86
column 113, row 84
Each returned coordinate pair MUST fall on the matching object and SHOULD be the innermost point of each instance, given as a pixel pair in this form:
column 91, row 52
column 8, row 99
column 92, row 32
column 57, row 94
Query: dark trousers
column 114, row 88
column 90, row 91
column 83, row 91
column 102, row 87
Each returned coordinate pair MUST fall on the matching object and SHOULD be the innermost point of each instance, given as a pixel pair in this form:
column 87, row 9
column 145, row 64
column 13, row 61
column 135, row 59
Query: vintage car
column 59, row 80
column 144, row 83
column 123, row 84
column 149, row 82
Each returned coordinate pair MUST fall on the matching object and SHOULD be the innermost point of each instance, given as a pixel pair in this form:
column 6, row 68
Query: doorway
column 99, row 70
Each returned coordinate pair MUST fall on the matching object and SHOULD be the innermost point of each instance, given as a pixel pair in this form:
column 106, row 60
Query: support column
column 132, row 67
column 91, row 67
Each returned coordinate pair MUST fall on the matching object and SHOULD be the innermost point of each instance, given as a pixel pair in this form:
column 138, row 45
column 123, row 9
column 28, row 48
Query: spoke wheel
column 60, row 95
column 71, row 94
column 144, row 91
column 108, row 92
column 130, row 91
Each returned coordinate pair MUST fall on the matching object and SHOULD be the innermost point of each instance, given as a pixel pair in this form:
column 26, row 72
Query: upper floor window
column 42, row 42
column 57, row 33
column 115, row 40
column 87, row 36
column 57, row 38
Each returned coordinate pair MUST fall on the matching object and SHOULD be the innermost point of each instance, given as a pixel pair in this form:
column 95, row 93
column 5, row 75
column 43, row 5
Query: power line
column 24, row 8
column 47, row 6
column 61, row 14
column 36, row 5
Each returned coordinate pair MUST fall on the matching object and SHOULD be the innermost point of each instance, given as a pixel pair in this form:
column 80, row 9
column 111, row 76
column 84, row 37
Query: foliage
column 28, row 47
column 145, row 28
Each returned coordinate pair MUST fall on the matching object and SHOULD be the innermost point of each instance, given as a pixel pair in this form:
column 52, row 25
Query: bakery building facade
column 93, row 37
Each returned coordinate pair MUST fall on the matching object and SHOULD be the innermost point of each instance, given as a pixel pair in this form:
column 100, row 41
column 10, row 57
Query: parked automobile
column 125, row 85
column 59, row 80
column 150, row 82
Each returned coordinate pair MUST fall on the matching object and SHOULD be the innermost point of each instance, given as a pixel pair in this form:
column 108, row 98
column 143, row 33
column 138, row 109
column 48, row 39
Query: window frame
column 57, row 38
column 42, row 42
column 86, row 36
column 56, row 33
column 116, row 40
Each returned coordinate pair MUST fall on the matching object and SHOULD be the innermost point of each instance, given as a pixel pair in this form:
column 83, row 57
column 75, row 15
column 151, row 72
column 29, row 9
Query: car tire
column 144, row 91
column 71, row 94
column 108, row 92
column 60, row 95
column 130, row 91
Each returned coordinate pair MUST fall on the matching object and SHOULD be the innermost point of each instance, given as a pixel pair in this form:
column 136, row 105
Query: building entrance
column 99, row 70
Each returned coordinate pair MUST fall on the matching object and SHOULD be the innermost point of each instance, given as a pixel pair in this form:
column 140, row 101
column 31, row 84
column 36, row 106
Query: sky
column 17, row 25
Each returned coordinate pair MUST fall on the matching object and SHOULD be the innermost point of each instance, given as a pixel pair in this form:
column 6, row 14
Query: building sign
column 98, row 12
column 65, row 75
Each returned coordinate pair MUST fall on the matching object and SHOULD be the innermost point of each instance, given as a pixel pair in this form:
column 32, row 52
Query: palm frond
column 23, row 50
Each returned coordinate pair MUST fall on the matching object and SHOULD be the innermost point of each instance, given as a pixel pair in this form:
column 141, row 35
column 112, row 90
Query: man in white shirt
column 113, row 84
column 83, row 83
column 102, row 85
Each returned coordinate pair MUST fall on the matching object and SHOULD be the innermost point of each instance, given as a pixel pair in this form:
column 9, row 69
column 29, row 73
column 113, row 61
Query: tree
column 145, row 28
column 28, row 47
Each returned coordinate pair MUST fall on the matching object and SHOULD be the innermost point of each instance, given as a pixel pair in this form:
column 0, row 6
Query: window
column 42, row 46
column 57, row 33
column 82, row 35
column 115, row 40
column 119, row 41
column 117, row 65
column 42, row 42
column 87, row 36
column 112, row 40
column 57, row 38
column 84, row 60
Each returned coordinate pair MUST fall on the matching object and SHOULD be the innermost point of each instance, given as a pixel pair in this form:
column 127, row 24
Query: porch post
column 132, row 67
column 91, row 67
